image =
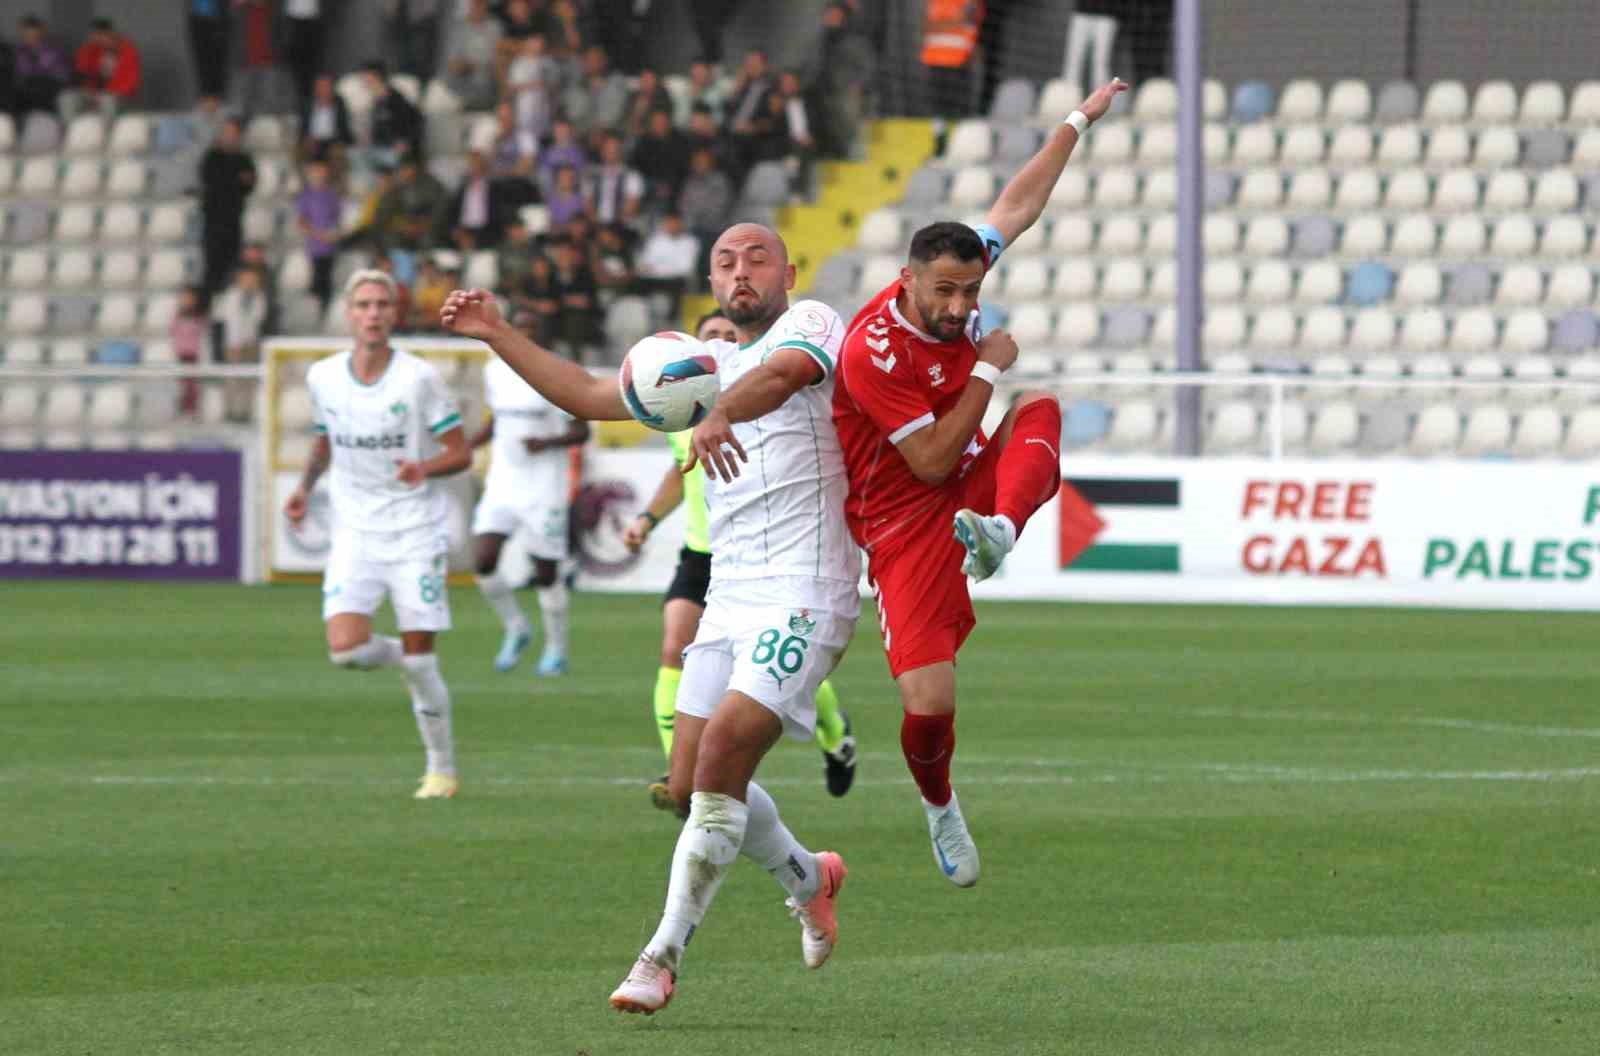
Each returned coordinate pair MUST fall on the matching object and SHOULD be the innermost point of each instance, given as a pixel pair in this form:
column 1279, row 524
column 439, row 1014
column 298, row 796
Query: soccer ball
column 669, row 381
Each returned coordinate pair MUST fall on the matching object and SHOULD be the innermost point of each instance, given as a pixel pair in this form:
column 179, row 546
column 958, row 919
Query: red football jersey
column 894, row 379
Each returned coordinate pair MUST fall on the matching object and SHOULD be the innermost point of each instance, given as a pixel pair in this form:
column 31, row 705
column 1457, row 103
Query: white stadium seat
column 1445, row 103
column 1220, row 235
column 1538, row 433
column 1490, row 376
column 1527, row 330
column 265, row 134
column 1120, row 236
column 29, row 269
column 1072, row 235
column 1025, row 280
column 1078, row 326
column 1352, row 145
column 1157, row 100
column 1349, row 101
column 1164, row 335
column 882, row 231
column 1236, row 426
column 1223, row 281
column 1563, row 236
column 1488, row 431
column 69, row 352
column 1303, row 146
column 878, row 272
column 1495, row 103
column 1158, row 144
column 1358, row 189
column 169, row 222
column 1400, row 145
column 1261, row 189
column 76, row 223
column 118, row 316
column 1475, row 331
column 1111, row 144
column 1448, row 147
column 1323, row 330
column 1514, row 236
column 1507, row 191
column 1420, row 283
column 128, row 179
column 1437, row 430
column 38, row 177
column 971, row 143
column 1407, row 189
column 120, row 269
column 1584, row 108
column 166, row 269
column 110, row 406
column 1076, row 280
column 972, row 187
column 120, row 224
column 1274, row 330
column 1224, row 328
column 1320, row 282
column 1497, row 148
column 1538, row 372
column 27, row 314
column 85, row 135
column 130, row 136
column 1586, row 149
column 1267, row 236
column 1270, row 282
column 81, row 178
column 1300, row 103
column 1422, row 330
column 1456, row 192
column 1309, row 190
column 1214, row 99
column 1364, row 236
column 1381, row 367
column 1583, row 434
column 1334, row 429
column 1133, row 426
column 1520, row 284
column 1058, row 99
column 1464, row 236
column 1414, row 236
column 74, row 269
column 1030, row 324
column 1556, row 191
column 1116, row 188
column 1070, row 192
column 1544, row 104
column 1161, row 237
column 1373, row 331
column 63, row 405
column 1571, row 286
column 19, row 404
column 1330, row 367
column 1160, row 189
column 1255, row 145
column 1164, row 282
column 1123, row 280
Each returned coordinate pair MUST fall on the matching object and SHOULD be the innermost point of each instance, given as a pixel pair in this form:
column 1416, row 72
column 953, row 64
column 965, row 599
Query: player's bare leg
column 928, row 740
column 1028, row 475
column 499, row 594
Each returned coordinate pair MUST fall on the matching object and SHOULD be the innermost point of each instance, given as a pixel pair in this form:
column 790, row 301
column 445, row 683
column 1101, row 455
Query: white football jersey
column 784, row 514
column 521, row 413
column 372, row 429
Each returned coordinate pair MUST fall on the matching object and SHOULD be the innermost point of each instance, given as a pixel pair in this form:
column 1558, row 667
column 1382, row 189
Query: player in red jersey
column 915, row 379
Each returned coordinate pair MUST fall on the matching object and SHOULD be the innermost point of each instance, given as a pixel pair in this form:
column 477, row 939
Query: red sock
column 1029, row 472
column 928, row 742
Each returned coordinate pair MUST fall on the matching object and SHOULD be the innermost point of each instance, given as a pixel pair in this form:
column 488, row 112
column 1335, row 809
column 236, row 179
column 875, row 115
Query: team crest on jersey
column 398, row 408
column 936, row 374
column 801, row 623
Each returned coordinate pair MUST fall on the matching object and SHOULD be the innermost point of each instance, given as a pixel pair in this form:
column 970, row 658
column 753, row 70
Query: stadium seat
column 1252, row 101
column 1422, row 330
column 1057, row 99
column 1218, row 188
column 81, row 178
column 1125, row 327
column 1536, row 373
column 1514, row 236
column 1352, row 145
column 1407, row 189
column 19, row 404
column 110, row 406
column 1366, row 235
column 1583, row 434
column 120, row 269
column 1121, row 235
column 267, row 134
column 1123, row 280
column 1031, row 324
column 120, row 224
column 1359, row 189
column 1158, row 144
column 1584, row 107
column 1546, row 147
column 1261, row 189
column 1470, row 284
column 1538, row 433
column 27, row 314
column 1164, row 332
column 1445, row 103
column 1255, row 145
column 1495, row 103
column 1575, row 332
column 1334, row 429
column 74, row 269
column 1373, row 331
column 1397, row 101
column 160, row 353
column 1527, row 330
column 1349, row 102
column 29, row 268
column 971, row 188
column 1419, row 284
column 63, row 406
column 1437, row 431
column 1475, row 331
column 1111, row 144
column 130, row 136
column 1116, row 188
column 1556, row 191
column 1464, row 236
column 1448, row 147
column 1457, row 192
column 118, row 316
column 1161, row 236
column 1236, row 426
column 1520, row 284
column 1223, row 281
column 1075, row 280
column 86, row 135
column 1266, row 236
column 1072, row 235
column 971, row 143
column 1497, row 148
column 1573, row 393
column 8, row 135
column 1274, row 331
column 1160, row 189
column 1320, row 282
column 1563, row 237
column 1507, row 191
column 1586, row 152
column 1157, row 100
column 1070, row 192
column 1488, row 431
column 1383, row 367
column 1078, row 326
column 1224, row 328
column 129, row 178
column 260, row 223
column 876, row 273
column 1571, row 285
column 1164, row 282
column 1309, row 190
column 76, row 222
column 169, row 222
column 1220, row 235
column 1270, row 282
column 1213, row 99
column 1026, row 279
column 1013, row 102
column 69, row 352
column 1301, row 102
column 38, row 177
column 1323, row 330
column 1369, row 283
column 1303, row 145
column 22, row 352
column 1544, row 104
column 1133, row 426
column 1399, row 146
column 166, row 269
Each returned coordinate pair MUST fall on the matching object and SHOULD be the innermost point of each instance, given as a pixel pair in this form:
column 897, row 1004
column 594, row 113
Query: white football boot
column 953, row 849
column 987, row 541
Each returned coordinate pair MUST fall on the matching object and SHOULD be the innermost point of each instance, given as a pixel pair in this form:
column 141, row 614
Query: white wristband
column 1078, row 120
column 986, row 372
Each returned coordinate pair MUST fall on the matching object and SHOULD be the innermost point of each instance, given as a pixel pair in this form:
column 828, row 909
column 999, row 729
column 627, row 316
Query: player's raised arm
column 1021, row 203
column 763, row 390
column 474, row 313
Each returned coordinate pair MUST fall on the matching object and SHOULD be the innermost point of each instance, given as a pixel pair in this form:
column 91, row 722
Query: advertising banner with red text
column 1516, row 535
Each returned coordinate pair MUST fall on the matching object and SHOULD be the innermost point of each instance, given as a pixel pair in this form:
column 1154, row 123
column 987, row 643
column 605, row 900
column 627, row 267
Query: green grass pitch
column 1204, row 831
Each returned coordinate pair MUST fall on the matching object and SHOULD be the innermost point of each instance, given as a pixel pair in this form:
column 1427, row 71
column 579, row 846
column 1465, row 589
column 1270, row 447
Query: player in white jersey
column 379, row 414
column 783, row 600
column 527, row 488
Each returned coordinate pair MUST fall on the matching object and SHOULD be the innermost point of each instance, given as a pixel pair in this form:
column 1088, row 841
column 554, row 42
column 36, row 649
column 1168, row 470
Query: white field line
column 1468, row 725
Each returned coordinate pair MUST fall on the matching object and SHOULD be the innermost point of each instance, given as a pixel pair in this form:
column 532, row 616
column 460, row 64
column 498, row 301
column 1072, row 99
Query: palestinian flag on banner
column 1120, row 524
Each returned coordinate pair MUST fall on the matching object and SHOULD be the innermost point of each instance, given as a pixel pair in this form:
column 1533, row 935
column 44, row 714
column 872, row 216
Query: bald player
column 782, row 603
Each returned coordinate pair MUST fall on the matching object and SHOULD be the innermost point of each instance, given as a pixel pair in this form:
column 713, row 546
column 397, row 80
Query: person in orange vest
column 949, row 44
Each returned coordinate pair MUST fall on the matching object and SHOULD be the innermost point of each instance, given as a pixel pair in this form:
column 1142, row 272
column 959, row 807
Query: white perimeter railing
column 1277, row 385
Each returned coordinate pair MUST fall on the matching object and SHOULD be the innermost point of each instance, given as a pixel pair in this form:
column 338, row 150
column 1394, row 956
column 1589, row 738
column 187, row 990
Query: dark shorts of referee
column 692, row 579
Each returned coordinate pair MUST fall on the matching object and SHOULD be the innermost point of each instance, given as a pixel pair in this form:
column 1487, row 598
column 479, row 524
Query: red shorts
column 924, row 609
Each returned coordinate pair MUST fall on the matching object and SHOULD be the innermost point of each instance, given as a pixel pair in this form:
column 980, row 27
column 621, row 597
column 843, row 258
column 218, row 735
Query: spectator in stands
column 476, row 214
column 612, row 192
column 705, row 134
column 707, row 197
column 518, row 22
column 532, row 81
column 511, row 162
column 536, row 300
column 661, row 155
column 514, row 255
column 208, row 46
column 706, row 89
column 748, row 97
column 797, row 114
column 562, row 150
column 227, row 176
column 8, row 76
column 611, row 259
column 259, row 74
column 242, row 311
column 387, row 264
column 434, row 284
column 578, row 323
column 412, row 210
column 190, row 333
column 470, row 67
column 413, row 30
column 839, row 80
column 302, row 45
column 562, row 29
column 667, row 260
column 648, row 97
column 599, row 99
column 42, row 70
column 949, row 52
column 565, row 200
column 396, row 124
column 325, row 124
column 317, row 212
column 108, row 69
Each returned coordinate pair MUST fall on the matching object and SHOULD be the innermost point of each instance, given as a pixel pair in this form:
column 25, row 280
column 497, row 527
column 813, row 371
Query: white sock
column 377, row 651
column 553, row 609
column 430, row 702
column 770, row 844
column 706, row 848
column 1011, row 530
column 500, row 598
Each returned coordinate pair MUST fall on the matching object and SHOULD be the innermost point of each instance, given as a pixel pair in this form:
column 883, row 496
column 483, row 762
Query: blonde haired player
column 783, row 600
column 378, row 412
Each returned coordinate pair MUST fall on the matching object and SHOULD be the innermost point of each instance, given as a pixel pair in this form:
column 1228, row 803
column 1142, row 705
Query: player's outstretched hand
column 295, row 508
column 410, row 474
column 998, row 348
column 1095, row 107
column 713, row 445
column 471, row 313
column 636, row 533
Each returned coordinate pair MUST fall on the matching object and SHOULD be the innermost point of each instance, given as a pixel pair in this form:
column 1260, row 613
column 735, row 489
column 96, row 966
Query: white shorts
column 415, row 585
column 543, row 523
column 774, row 653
